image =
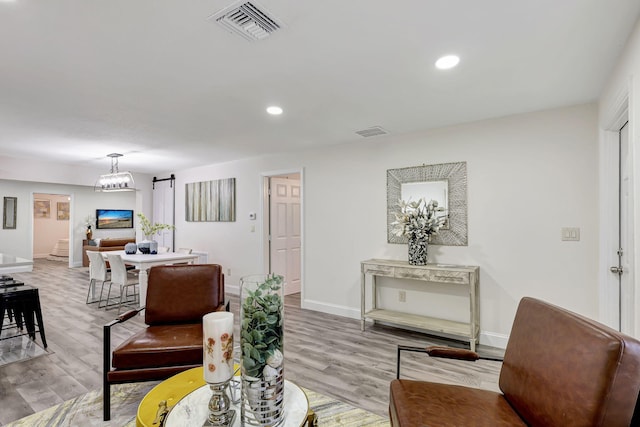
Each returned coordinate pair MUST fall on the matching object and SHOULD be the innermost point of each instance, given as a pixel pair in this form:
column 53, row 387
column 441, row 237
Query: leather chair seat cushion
column 419, row 403
column 157, row 346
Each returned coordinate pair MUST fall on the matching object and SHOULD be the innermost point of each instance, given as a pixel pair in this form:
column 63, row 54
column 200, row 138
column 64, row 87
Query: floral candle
column 217, row 346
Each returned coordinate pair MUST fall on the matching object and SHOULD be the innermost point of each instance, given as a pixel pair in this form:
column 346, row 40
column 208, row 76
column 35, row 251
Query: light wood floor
column 325, row 353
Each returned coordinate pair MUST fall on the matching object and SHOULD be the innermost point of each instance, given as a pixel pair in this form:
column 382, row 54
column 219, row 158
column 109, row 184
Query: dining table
column 143, row 262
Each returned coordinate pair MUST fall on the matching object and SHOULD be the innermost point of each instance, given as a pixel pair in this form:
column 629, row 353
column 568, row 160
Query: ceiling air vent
column 372, row 131
column 246, row 20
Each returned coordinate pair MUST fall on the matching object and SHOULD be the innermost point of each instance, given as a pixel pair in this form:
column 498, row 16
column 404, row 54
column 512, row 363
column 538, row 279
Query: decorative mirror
column 10, row 213
column 446, row 183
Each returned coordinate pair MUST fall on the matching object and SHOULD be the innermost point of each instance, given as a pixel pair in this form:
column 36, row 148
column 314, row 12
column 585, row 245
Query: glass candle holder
column 217, row 358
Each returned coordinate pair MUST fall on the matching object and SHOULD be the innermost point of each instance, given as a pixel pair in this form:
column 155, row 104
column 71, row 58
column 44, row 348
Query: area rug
column 86, row 410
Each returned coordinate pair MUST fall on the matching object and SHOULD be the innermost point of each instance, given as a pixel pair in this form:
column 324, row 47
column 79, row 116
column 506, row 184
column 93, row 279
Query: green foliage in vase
column 149, row 230
column 262, row 327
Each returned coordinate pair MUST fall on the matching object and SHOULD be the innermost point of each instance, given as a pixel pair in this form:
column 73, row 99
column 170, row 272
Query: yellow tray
column 171, row 390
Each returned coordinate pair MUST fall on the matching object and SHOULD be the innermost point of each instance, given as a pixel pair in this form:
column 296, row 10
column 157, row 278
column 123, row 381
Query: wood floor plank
column 325, row 353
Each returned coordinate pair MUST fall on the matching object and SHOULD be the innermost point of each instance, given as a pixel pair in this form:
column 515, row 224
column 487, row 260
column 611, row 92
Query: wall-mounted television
column 114, row 218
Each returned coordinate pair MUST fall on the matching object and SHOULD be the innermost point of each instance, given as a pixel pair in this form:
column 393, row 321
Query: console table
column 455, row 275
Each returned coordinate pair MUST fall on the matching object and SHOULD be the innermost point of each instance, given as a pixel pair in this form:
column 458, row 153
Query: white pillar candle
column 217, row 336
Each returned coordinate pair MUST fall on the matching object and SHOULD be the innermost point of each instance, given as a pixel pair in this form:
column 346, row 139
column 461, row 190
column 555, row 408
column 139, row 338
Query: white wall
column 528, row 176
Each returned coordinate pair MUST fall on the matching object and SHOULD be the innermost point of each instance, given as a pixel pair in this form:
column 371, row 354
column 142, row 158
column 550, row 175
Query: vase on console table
column 417, row 249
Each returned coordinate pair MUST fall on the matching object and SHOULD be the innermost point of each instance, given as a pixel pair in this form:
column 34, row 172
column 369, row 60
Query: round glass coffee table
column 187, row 397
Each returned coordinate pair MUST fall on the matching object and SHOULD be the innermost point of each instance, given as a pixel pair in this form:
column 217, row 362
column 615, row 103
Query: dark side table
column 24, row 301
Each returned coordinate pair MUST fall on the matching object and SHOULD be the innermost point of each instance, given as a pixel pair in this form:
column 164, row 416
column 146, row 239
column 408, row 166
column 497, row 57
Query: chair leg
column 101, row 290
column 106, row 401
column 106, row 303
column 122, row 290
column 106, row 367
column 92, row 284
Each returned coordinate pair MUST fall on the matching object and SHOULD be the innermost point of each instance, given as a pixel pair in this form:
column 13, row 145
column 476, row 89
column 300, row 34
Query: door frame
column 615, row 116
column 72, row 241
column 265, row 220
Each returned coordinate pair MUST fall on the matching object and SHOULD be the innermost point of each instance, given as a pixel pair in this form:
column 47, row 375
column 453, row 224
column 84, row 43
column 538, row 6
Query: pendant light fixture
column 116, row 180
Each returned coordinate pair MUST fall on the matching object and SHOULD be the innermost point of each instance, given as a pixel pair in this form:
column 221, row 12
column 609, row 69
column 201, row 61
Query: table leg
column 27, row 307
column 2, row 309
column 143, row 280
column 312, row 419
column 39, row 319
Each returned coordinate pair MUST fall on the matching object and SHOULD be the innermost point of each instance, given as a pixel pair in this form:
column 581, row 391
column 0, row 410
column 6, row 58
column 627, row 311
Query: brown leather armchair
column 559, row 369
column 177, row 298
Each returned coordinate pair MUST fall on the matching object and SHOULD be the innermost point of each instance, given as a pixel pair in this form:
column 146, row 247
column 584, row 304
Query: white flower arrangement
column 418, row 219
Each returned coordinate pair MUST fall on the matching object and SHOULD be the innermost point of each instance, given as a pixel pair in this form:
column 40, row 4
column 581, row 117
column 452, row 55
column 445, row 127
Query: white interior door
column 625, row 255
column 164, row 210
column 285, row 229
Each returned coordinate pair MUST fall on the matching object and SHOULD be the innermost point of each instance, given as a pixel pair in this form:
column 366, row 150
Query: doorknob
column 616, row 270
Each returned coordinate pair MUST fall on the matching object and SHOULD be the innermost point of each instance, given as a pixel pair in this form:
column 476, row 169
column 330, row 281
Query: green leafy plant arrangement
column 262, row 329
column 149, row 229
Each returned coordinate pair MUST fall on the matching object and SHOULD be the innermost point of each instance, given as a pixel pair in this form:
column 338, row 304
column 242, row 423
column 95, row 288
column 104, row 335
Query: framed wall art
column 41, row 208
column 211, row 200
column 10, row 213
column 63, row 211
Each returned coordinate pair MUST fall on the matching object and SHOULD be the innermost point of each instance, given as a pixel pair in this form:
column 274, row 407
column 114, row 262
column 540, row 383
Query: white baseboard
column 337, row 310
column 232, row 289
column 490, row 339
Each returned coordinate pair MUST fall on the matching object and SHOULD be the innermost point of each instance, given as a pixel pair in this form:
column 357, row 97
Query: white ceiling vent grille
column 372, row 131
column 246, row 20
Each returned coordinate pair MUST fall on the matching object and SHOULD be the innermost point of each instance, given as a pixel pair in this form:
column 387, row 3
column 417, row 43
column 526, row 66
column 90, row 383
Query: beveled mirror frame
column 456, row 176
column 10, row 210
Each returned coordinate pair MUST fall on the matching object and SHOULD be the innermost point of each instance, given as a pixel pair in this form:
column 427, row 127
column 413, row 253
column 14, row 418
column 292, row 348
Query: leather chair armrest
column 106, row 338
column 451, row 353
column 444, row 352
column 123, row 318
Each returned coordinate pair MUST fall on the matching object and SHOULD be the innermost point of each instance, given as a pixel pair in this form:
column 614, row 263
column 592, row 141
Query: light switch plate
column 570, row 234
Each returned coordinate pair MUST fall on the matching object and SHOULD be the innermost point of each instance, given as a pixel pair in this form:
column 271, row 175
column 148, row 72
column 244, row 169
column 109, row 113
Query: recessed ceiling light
column 447, row 62
column 274, row 110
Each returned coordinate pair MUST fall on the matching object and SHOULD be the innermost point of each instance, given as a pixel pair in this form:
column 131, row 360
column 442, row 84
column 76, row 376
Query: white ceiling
column 158, row 82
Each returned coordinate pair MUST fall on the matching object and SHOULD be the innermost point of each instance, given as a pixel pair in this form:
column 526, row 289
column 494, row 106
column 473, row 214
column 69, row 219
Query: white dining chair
column 98, row 272
column 184, row 251
column 120, row 278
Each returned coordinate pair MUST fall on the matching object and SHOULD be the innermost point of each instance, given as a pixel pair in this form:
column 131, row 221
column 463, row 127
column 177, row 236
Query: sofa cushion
column 107, row 243
column 417, row 403
column 167, row 345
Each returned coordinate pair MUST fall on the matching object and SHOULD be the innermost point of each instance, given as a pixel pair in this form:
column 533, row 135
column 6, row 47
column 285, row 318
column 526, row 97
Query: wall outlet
column 228, row 272
column 402, row 296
